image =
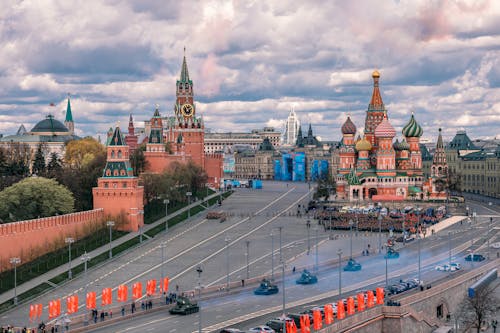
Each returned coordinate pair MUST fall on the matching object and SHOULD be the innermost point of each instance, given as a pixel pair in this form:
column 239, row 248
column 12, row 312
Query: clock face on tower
column 187, row 110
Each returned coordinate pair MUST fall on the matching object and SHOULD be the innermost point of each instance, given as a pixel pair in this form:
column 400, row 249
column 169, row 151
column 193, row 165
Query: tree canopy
column 35, row 197
column 81, row 153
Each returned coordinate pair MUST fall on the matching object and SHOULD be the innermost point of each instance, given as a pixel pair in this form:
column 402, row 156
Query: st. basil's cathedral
column 375, row 167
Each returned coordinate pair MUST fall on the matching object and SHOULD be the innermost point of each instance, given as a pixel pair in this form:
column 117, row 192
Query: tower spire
column 68, row 121
column 376, row 101
column 184, row 71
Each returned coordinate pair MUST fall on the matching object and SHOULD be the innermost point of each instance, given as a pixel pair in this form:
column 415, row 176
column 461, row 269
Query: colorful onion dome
column 385, row 129
column 412, row 129
column 363, row 145
column 348, row 127
column 403, row 145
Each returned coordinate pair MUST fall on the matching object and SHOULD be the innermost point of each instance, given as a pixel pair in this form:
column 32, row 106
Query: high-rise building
column 292, row 126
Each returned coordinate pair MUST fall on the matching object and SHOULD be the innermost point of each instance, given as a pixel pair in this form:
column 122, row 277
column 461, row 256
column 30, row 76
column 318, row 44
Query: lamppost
column 308, row 225
column 15, row 261
column 351, row 223
column 283, row 286
column 317, row 245
column 449, row 249
column 418, row 241
column 467, row 210
column 166, row 202
column 380, row 218
column 227, row 239
column 488, row 235
column 189, row 194
column 163, row 245
column 339, row 253
column 386, row 269
column 85, row 258
column 272, row 256
column 199, row 270
column 248, row 258
column 69, row 241
column 110, row 224
column 331, row 226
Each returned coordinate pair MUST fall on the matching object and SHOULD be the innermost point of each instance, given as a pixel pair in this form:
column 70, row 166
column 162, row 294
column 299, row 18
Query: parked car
column 261, row 328
column 446, row 267
column 266, row 288
column 277, row 323
column 474, row 257
column 306, row 278
column 184, row 306
column 352, row 266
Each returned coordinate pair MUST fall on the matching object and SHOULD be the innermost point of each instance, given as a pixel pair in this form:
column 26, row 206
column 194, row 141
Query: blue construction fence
column 292, row 167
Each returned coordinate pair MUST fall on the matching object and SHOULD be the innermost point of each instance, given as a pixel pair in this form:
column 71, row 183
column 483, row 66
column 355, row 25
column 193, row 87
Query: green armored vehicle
column 184, row 306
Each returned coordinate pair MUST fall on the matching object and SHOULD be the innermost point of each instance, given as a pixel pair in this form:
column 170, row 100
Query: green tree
column 138, row 160
column 54, row 167
column 39, row 166
column 80, row 153
column 188, row 177
column 34, row 197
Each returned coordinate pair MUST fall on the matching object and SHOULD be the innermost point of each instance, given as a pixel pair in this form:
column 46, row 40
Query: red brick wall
column 213, row 168
column 32, row 238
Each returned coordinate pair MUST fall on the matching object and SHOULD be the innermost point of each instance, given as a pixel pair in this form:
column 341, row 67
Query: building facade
column 225, row 142
column 374, row 167
column 292, row 126
column 250, row 164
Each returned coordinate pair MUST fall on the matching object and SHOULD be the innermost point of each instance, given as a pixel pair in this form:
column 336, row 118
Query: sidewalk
column 22, row 288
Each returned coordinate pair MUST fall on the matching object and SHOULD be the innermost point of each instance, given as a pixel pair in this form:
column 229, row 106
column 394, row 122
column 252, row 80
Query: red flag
column 361, row 302
column 137, row 290
column 328, row 314
column 340, row 310
column 151, row 287
column 39, row 309
column 32, row 311
column 305, row 324
column 58, row 307
column 369, row 301
column 380, row 295
column 122, row 293
column 91, row 300
column 165, row 284
column 106, row 297
column 350, row 306
column 317, row 321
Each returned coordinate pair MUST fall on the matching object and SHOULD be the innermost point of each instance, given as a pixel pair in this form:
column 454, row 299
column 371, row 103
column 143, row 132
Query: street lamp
column 199, row 270
column 227, row 239
column 69, row 241
column 317, row 243
column 281, row 248
column 85, row 258
column 380, row 218
column 339, row 253
column 351, row 223
column 189, row 194
column 272, row 256
column 110, row 224
column 418, row 241
column 283, row 286
column 248, row 258
column 449, row 249
column 488, row 235
column 166, row 202
column 15, row 261
column 386, row 269
column 308, row 225
column 163, row 245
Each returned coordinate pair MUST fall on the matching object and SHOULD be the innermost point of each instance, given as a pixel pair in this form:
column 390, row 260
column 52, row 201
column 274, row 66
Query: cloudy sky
column 251, row 61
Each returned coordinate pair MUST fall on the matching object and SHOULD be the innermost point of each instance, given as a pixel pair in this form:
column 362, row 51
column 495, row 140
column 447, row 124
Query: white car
column 446, row 267
column 261, row 329
column 495, row 245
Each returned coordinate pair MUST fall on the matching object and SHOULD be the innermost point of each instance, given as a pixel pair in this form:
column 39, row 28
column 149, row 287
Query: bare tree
column 474, row 311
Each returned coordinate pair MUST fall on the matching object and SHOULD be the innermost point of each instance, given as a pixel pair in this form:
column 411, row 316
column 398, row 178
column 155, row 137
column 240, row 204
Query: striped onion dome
column 385, row 129
column 363, row 145
column 412, row 129
column 403, row 145
column 348, row 127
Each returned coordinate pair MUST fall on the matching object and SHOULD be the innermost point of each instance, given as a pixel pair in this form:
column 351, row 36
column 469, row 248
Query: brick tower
column 118, row 191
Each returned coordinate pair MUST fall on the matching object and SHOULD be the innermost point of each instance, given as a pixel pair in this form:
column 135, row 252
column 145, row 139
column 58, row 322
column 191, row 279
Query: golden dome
column 375, row 74
column 363, row 145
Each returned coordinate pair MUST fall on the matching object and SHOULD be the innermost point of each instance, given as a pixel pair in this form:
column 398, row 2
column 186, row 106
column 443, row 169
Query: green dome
column 49, row 124
column 412, row 129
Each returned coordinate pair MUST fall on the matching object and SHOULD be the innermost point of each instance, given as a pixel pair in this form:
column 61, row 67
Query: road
column 245, row 310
